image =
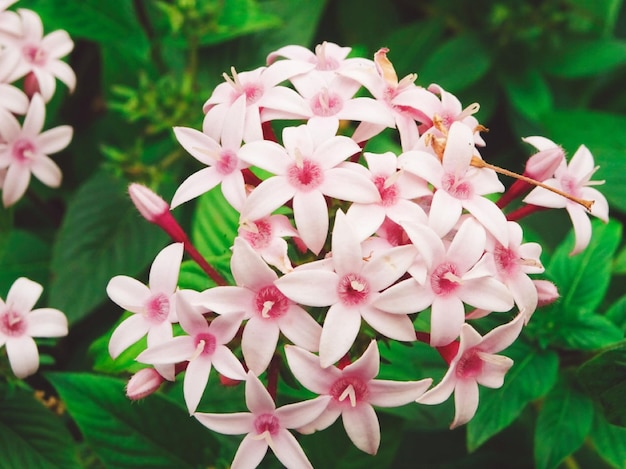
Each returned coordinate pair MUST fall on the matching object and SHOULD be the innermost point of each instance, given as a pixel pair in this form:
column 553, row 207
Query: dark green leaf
column 31, row 436
column 610, row 441
column 25, row 256
column 102, row 236
column 456, row 64
column 579, row 58
column 617, row 313
column 586, row 331
column 192, row 277
column 604, row 377
column 112, row 24
column 529, row 93
column 604, row 135
column 598, row 16
column 619, row 266
column 409, row 45
column 584, row 278
column 562, row 426
column 152, row 433
column 531, row 377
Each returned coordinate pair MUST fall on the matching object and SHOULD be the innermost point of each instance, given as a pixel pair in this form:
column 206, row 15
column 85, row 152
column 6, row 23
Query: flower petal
column 384, row 393
column 311, row 216
column 54, row 140
column 196, row 379
column 23, row 356
column 288, row 450
column 310, row 287
column 340, row 329
column 465, row 402
column 300, row 328
column 128, row 293
column 165, row 267
column 361, row 424
column 258, row 399
column 47, row 171
column 258, row 343
column 306, row 368
column 23, row 295
column 227, row 424
column 47, row 322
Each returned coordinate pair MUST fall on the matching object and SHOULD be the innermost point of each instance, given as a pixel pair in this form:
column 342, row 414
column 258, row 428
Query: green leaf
column 125, row 362
column 531, row 377
column 238, row 18
column 25, row 255
column 610, row 441
column 619, row 266
column 617, row 313
column 604, row 377
column 586, row 331
column 603, row 134
column 583, row 279
column 586, row 57
column 599, row 16
column 102, row 236
column 31, row 436
column 529, row 93
column 192, row 277
column 456, row 64
column 409, row 45
column 562, row 426
column 152, row 433
column 112, row 24
column 214, row 228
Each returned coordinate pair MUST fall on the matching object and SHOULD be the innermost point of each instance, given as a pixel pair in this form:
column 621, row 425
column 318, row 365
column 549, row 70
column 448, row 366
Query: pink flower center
column 459, row 189
column 570, row 185
column 267, row 423
column 353, row 290
column 470, row 365
column 394, row 233
column 260, row 237
column 158, row 308
column 445, row 280
column 23, row 150
column 34, row 54
column 205, row 344
column 323, row 61
column 507, row 260
column 326, row 104
column 388, row 192
column 253, row 92
column 349, row 389
column 12, row 324
column 305, row 175
column 270, row 303
column 227, row 162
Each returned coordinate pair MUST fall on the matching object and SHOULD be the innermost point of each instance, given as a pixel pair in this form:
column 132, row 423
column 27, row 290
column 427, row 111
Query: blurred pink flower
column 19, row 323
column 266, row 426
column 25, row 150
column 41, row 54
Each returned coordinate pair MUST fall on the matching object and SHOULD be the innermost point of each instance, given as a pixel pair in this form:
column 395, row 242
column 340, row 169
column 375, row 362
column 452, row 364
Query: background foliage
column 555, row 68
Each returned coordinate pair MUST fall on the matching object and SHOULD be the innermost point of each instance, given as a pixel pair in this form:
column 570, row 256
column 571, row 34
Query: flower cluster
column 340, row 249
column 29, row 65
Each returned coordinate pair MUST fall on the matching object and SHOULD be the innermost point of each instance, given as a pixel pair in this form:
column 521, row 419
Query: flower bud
column 543, row 164
column 150, row 205
column 143, row 383
column 546, row 291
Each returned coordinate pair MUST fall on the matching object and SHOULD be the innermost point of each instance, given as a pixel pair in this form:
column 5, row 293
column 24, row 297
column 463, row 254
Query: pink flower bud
column 543, row 164
column 31, row 85
column 143, row 383
column 150, row 205
column 547, row 292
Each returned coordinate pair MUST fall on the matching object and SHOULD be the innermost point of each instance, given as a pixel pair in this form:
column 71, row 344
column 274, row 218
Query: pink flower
column 143, row 383
column 513, row 264
column 264, row 99
column 25, row 150
column 353, row 391
column 475, row 363
column 459, row 185
column 265, row 236
column 19, row 323
column 453, row 276
column 204, row 348
column 268, row 311
column 154, row 306
column 40, row 54
column 266, row 426
column 397, row 190
column 574, row 178
column 351, row 290
column 223, row 165
column 306, row 169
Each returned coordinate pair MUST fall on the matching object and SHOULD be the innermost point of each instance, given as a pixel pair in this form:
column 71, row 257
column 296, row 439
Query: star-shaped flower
column 19, row 323
column 266, row 426
column 354, row 391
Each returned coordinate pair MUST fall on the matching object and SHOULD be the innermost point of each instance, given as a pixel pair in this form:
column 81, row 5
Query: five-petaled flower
column 19, row 323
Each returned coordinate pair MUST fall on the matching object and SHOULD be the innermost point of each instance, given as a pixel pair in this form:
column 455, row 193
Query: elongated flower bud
column 148, row 203
column 143, row 383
